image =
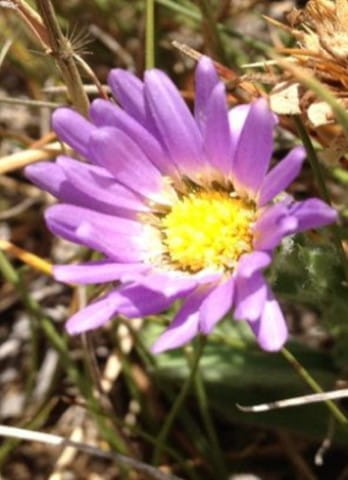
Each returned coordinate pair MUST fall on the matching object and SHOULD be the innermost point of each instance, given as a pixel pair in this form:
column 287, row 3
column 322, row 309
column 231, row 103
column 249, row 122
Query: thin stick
column 87, row 69
column 6, row 47
column 326, row 443
column 29, row 103
column 295, row 401
column 306, row 376
column 89, row 89
column 58, row 441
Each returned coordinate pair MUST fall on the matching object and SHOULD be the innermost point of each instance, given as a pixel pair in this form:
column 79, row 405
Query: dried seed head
column 321, row 32
column 325, row 25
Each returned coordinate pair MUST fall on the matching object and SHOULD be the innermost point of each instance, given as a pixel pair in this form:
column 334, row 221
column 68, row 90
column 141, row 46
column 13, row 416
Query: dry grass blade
column 29, row 258
column 245, row 91
column 6, row 47
column 27, row 157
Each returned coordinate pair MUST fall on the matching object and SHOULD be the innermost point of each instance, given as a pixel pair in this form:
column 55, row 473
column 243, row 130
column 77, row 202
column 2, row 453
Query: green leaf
column 235, row 371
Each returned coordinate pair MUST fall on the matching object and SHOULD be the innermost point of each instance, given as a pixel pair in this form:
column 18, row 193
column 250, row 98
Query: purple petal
column 75, row 216
column 173, row 283
column 94, row 315
column 85, row 185
column 237, row 117
column 251, row 263
column 312, row 213
column 250, row 297
column 117, row 152
column 95, row 188
column 216, row 305
column 139, row 301
column 73, row 129
column 270, row 330
column 274, row 224
column 131, row 301
column 184, row 327
column 42, row 173
column 118, row 238
column 254, row 149
column 217, row 136
column 104, row 113
column 120, row 247
column 168, row 284
column 99, row 271
column 129, row 92
column 178, row 130
column 281, row 175
column 206, row 79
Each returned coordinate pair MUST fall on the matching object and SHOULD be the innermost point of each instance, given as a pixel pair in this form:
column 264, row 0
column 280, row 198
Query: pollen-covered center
column 208, row 229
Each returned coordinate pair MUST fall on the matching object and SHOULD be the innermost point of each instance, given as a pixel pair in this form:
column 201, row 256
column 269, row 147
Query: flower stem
column 201, row 393
column 150, row 34
column 312, row 158
column 305, row 375
column 318, row 173
column 178, row 403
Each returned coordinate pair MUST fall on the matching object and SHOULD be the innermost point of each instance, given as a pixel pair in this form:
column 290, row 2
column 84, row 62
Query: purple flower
column 179, row 206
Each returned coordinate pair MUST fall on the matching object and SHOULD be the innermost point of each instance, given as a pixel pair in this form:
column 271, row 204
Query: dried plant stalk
column 46, row 29
column 62, row 51
column 26, row 157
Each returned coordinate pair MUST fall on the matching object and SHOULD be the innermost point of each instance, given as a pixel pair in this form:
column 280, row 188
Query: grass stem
column 306, row 376
column 150, row 34
column 217, row 458
column 178, row 403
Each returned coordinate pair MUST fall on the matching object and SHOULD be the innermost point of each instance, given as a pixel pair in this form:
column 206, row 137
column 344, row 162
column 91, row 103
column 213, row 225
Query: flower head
column 180, row 206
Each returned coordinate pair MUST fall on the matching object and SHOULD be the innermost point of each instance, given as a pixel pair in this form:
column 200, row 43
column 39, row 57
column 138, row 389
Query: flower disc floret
column 208, row 229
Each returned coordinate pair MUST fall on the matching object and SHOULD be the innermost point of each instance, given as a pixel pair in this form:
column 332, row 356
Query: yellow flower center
column 208, row 229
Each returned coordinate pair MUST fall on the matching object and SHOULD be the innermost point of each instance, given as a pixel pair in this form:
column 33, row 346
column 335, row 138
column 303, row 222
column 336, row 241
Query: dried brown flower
column 321, row 31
